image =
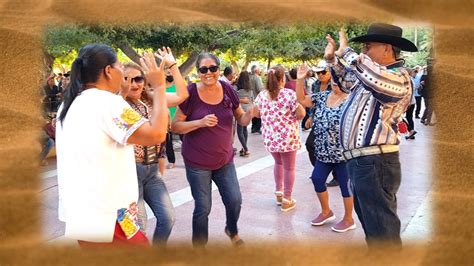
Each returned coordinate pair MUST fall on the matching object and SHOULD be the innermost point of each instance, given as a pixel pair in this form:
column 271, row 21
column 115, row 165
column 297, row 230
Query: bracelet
column 172, row 65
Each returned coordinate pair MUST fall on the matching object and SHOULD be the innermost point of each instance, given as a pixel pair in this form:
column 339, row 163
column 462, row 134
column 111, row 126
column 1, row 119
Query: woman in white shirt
column 97, row 179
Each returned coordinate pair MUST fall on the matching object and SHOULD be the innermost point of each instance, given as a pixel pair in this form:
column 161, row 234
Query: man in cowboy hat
column 380, row 91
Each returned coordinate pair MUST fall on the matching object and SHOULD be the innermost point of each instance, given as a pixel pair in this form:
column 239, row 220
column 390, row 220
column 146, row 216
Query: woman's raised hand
column 302, row 71
column 154, row 75
column 166, row 55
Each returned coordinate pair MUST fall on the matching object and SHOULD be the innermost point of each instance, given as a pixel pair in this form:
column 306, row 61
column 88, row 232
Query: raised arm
column 173, row 99
column 154, row 131
column 304, row 100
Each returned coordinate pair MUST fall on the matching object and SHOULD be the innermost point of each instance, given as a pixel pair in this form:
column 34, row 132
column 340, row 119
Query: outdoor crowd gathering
column 115, row 125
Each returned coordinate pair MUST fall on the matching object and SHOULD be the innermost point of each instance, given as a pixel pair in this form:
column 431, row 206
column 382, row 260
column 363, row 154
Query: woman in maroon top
column 206, row 120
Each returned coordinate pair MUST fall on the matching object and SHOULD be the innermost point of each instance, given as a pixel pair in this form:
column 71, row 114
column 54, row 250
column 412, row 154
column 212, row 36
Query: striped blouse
column 379, row 95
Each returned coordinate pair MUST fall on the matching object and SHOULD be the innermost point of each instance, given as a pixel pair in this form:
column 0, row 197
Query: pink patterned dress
column 279, row 124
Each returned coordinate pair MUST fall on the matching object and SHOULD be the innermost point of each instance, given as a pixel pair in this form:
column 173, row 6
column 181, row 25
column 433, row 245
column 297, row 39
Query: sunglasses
column 138, row 79
column 321, row 72
column 66, row 75
column 204, row 70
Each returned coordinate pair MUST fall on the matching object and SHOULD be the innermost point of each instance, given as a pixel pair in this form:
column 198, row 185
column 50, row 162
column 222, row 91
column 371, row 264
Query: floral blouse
column 326, row 126
column 144, row 108
column 279, row 124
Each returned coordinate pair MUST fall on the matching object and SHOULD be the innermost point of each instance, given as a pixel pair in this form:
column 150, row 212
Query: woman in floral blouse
column 329, row 105
column 280, row 112
column 152, row 188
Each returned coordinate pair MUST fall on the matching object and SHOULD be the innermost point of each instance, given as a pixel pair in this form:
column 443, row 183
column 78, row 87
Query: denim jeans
column 375, row 180
column 152, row 190
column 226, row 181
column 243, row 135
column 48, row 145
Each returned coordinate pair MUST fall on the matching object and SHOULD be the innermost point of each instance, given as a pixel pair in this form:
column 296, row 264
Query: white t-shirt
column 96, row 168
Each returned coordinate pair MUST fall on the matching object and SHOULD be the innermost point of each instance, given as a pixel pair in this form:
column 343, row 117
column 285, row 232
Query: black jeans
column 375, row 180
column 418, row 106
column 409, row 117
column 256, row 124
column 169, row 148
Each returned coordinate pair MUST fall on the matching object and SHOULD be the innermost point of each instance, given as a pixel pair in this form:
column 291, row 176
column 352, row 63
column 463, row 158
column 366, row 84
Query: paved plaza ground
column 261, row 220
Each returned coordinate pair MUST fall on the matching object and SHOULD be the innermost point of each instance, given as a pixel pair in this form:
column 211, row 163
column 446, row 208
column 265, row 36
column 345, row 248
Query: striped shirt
column 379, row 95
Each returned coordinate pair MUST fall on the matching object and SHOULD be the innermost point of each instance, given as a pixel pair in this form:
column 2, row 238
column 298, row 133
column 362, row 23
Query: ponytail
column 86, row 69
column 274, row 77
column 75, row 87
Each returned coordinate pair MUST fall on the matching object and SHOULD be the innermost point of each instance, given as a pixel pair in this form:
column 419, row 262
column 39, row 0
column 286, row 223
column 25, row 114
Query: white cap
column 322, row 65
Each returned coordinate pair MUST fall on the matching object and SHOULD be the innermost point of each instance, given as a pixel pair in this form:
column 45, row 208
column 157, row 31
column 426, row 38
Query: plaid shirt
column 379, row 95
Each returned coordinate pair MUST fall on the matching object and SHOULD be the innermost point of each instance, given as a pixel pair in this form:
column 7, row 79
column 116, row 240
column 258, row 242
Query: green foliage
column 285, row 44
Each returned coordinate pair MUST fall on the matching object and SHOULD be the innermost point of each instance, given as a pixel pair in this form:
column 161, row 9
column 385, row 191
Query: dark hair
column 205, row 55
column 293, row 73
column 243, row 82
column 227, row 71
column 275, row 75
column 86, row 68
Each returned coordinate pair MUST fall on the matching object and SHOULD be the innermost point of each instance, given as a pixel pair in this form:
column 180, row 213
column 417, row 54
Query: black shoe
column 411, row 136
column 332, row 183
column 417, row 117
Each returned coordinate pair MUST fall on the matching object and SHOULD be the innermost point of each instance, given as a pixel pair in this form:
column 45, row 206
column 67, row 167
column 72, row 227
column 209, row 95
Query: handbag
column 50, row 129
column 403, row 127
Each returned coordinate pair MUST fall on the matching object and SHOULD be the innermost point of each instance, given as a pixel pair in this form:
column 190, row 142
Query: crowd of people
column 115, row 124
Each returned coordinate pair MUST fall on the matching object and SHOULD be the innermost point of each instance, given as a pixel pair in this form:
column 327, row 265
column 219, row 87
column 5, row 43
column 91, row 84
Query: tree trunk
column 130, row 52
column 48, row 61
column 269, row 61
column 235, row 67
column 188, row 65
column 246, row 64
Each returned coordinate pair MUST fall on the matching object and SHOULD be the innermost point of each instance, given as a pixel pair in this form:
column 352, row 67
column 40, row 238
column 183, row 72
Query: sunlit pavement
column 261, row 220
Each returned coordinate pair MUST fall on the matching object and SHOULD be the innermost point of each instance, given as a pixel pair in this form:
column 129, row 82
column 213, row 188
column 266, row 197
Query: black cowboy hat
column 386, row 33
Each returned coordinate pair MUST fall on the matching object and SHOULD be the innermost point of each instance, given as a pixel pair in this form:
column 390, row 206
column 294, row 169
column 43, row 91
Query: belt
column 371, row 150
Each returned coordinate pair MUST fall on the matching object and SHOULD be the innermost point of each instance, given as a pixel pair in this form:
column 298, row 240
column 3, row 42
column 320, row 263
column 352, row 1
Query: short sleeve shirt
column 209, row 148
column 96, row 167
column 279, row 124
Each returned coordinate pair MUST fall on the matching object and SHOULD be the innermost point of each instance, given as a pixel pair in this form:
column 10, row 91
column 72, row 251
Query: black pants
column 256, row 125
column 418, row 106
column 375, row 180
column 169, row 148
column 409, row 117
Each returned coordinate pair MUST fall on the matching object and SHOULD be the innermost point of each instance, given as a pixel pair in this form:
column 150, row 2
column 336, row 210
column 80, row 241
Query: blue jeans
column 375, row 180
column 152, row 190
column 48, row 145
column 200, row 181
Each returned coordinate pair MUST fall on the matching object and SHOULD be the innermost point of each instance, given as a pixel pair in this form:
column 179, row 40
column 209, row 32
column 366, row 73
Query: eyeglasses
column 204, row 70
column 321, row 72
column 137, row 79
